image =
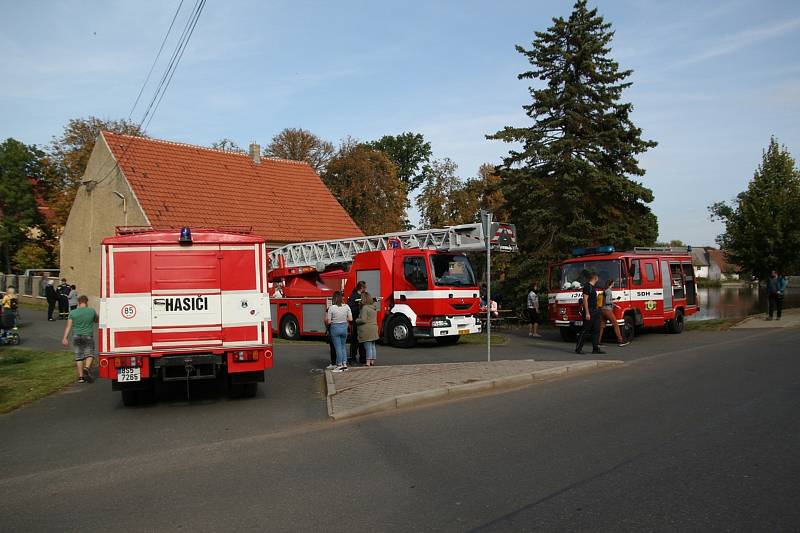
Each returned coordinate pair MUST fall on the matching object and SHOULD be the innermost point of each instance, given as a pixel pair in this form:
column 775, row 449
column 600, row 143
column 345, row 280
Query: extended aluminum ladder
column 462, row 238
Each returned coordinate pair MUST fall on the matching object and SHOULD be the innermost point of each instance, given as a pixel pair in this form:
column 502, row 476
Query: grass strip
column 714, row 324
column 27, row 375
column 497, row 340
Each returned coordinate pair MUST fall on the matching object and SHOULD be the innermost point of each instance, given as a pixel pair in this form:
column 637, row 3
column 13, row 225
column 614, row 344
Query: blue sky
column 712, row 80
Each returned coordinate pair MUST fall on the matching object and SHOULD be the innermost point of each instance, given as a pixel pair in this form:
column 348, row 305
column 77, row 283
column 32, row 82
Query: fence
column 25, row 285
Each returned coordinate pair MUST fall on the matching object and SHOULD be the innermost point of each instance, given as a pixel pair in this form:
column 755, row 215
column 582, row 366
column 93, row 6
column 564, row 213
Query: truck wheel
column 567, row 335
column 400, row 332
column 130, row 398
column 629, row 328
column 677, row 324
column 449, row 340
column 290, row 329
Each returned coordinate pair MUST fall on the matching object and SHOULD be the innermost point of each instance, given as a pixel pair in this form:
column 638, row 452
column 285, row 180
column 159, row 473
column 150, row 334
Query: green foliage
column 761, row 230
column 365, row 183
column 18, row 210
column 298, row 144
column 409, row 152
column 569, row 182
column 31, row 256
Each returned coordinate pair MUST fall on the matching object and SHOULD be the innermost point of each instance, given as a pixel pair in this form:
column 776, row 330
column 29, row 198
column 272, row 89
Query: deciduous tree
column 570, row 182
column 365, row 182
column 298, row 144
column 18, row 210
column 226, row 145
column 761, row 229
column 409, row 152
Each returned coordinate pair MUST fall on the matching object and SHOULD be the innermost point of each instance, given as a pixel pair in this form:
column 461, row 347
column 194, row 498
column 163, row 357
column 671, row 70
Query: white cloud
column 740, row 40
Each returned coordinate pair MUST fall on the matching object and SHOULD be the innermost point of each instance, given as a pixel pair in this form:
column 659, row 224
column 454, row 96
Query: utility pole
column 486, row 218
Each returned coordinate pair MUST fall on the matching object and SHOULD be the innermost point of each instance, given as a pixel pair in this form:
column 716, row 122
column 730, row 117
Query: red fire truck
column 183, row 305
column 653, row 287
column 425, row 284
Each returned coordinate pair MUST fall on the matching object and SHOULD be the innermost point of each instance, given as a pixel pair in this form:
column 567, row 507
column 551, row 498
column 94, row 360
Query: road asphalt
column 697, row 431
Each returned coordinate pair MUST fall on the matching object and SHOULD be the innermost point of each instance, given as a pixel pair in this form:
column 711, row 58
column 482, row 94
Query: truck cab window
column 636, row 272
column 415, row 273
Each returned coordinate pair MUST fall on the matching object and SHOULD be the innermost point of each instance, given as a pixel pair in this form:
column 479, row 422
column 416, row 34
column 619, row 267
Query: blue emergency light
column 186, row 235
column 598, row 250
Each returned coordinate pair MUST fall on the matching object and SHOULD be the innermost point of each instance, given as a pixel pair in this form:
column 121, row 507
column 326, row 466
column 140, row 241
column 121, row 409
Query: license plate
column 463, row 332
column 129, row 374
column 578, row 322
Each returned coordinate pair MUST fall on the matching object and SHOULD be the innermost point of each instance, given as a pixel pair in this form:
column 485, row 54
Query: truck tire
column 676, row 325
column 290, row 329
column 567, row 335
column 448, row 340
column 400, row 333
column 629, row 328
column 130, row 398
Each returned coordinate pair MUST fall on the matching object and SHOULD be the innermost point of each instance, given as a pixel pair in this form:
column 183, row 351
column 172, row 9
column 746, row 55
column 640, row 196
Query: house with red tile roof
column 138, row 181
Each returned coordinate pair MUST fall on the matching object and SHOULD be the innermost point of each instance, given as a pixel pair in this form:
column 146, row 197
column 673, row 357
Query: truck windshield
column 574, row 275
column 453, row 270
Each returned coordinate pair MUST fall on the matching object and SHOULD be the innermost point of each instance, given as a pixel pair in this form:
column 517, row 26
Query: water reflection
column 736, row 302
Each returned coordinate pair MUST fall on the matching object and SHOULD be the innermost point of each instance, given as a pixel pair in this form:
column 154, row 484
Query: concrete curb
column 465, row 389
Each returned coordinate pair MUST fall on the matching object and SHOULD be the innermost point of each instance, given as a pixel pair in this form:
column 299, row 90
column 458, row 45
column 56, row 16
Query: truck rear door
column 245, row 309
column 186, row 296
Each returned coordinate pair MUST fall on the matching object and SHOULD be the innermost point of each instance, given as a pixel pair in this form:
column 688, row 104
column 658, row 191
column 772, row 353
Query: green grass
column 715, row 324
column 497, row 340
column 27, row 375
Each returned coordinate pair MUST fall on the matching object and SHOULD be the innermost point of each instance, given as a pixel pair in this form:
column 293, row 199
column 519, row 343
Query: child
column 72, row 297
column 10, row 306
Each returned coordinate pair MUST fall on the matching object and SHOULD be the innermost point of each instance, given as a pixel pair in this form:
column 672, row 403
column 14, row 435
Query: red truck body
column 652, row 288
column 422, row 293
column 178, row 310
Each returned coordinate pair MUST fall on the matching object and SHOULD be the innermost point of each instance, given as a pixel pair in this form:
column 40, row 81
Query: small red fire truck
column 425, row 285
column 183, row 305
column 653, row 287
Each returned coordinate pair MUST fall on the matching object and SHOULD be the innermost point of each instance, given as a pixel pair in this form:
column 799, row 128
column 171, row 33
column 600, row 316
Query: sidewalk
column 790, row 319
column 367, row 390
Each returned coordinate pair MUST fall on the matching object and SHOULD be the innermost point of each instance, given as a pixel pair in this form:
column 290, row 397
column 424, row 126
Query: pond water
column 736, row 302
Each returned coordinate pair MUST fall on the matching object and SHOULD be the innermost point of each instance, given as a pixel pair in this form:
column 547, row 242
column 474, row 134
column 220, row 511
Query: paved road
column 699, row 431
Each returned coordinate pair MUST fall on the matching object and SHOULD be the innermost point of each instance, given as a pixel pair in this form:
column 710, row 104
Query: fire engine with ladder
column 183, row 305
column 424, row 283
column 653, row 287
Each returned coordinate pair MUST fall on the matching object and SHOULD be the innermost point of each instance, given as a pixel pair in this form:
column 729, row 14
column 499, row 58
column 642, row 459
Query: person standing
column 354, row 301
column 591, row 317
column 368, row 327
column 52, row 299
column 81, row 323
column 607, row 312
column 44, row 283
column 532, row 308
column 73, row 298
column 774, row 295
column 338, row 318
column 9, row 306
column 63, row 299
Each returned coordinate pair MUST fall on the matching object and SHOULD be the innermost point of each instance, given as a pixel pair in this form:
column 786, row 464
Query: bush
column 30, row 256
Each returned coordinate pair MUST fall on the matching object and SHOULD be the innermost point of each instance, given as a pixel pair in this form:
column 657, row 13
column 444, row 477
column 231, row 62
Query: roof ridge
column 207, row 148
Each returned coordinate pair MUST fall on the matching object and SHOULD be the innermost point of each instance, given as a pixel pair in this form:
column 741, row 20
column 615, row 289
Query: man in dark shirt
column 354, row 301
column 774, row 296
column 591, row 317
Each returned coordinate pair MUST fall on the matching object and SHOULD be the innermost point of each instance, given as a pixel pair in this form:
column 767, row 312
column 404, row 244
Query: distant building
column 136, row 181
column 710, row 263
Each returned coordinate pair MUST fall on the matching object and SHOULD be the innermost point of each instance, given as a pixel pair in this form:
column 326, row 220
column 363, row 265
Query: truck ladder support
column 462, row 238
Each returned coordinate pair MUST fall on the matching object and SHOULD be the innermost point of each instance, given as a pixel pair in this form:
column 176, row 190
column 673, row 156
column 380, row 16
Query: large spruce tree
column 570, row 183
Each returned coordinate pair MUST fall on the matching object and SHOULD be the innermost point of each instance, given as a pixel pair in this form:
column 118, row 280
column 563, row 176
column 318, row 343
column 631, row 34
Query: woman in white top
column 338, row 318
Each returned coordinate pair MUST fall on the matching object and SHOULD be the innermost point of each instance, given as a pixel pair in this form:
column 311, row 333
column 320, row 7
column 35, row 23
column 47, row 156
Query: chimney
column 255, row 153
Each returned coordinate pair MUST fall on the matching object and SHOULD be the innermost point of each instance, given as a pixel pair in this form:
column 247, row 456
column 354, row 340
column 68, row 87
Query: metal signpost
column 486, row 218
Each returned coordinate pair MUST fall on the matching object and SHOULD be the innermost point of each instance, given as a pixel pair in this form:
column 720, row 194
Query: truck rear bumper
column 189, row 367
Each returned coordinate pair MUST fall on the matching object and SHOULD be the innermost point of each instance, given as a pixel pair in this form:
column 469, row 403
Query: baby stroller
column 8, row 328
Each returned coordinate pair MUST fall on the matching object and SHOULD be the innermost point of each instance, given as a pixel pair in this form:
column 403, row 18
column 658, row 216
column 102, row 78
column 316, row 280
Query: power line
column 153, row 66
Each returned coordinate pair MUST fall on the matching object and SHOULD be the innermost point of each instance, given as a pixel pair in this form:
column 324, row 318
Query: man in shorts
column 81, row 322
